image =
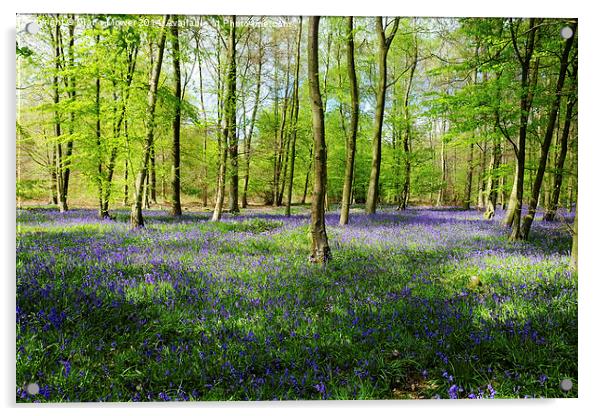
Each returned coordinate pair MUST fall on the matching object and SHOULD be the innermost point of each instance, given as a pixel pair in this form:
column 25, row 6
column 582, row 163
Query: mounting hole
column 566, row 32
column 566, row 385
column 32, row 28
column 32, row 389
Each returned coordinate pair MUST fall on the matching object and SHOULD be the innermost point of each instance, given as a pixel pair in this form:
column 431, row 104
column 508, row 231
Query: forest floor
column 422, row 303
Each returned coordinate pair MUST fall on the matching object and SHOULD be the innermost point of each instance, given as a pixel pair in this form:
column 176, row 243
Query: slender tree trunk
column 572, row 181
column 176, row 206
column 279, row 148
column 405, row 192
column 249, row 137
column 525, row 107
column 352, row 135
column 311, row 150
column 564, row 62
column 51, row 157
column 52, row 170
column 320, row 252
column 482, row 182
column 286, row 156
column 146, row 192
column 136, row 217
column 100, row 180
column 57, row 148
column 112, row 159
column 503, row 183
column 233, row 138
column 512, row 202
column 126, row 190
column 574, row 254
column 441, row 197
column 153, row 175
column 204, row 166
column 384, row 44
column 69, row 147
column 468, row 187
column 564, row 140
column 119, row 117
column 229, row 122
column 295, row 118
column 492, row 180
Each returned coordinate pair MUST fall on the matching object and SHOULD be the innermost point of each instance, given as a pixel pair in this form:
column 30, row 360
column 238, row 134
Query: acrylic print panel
column 217, row 208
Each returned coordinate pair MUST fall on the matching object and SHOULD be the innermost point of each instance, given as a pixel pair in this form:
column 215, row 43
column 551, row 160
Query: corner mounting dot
column 566, row 32
column 32, row 389
column 32, row 28
column 566, row 385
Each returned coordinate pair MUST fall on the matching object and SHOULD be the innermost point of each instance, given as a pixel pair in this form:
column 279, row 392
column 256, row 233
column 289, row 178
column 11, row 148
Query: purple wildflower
column 453, row 392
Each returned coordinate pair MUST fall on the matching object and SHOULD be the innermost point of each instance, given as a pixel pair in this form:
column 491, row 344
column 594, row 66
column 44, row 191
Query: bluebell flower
column 453, row 392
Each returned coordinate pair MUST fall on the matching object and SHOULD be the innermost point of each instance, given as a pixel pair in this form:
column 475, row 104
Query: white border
column 590, row 375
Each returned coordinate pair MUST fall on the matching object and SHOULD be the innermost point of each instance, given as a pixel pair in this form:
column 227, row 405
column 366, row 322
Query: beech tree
column 176, row 208
column 352, row 135
column 136, row 218
column 545, row 147
column 228, row 136
column 384, row 42
column 295, row 120
column 320, row 251
column 528, row 81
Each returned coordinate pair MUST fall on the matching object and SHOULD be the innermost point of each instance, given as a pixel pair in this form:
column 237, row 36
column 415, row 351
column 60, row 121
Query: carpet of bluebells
column 422, row 303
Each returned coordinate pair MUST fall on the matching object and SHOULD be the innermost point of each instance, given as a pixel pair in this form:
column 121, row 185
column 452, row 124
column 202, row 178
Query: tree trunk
column 564, row 140
column 176, row 206
column 405, row 192
column 153, row 176
column 204, row 166
column 71, row 93
column 126, row 191
column 232, row 137
column 320, row 252
column 118, row 121
column 492, row 180
column 311, row 150
column 53, row 185
column 286, row 156
column 279, row 145
column 564, row 62
column 384, row 44
column 352, row 135
column 57, row 148
column 468, row 185
column 574, row 255
column 136, row 219
column 146, row 192
column 295, row 118
column 511, row 206
column 441, row 200
column 112, row 158
column 229, row 126
column 526, row 97
column 249, row 137
column 102, row 213
column 481, row 184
